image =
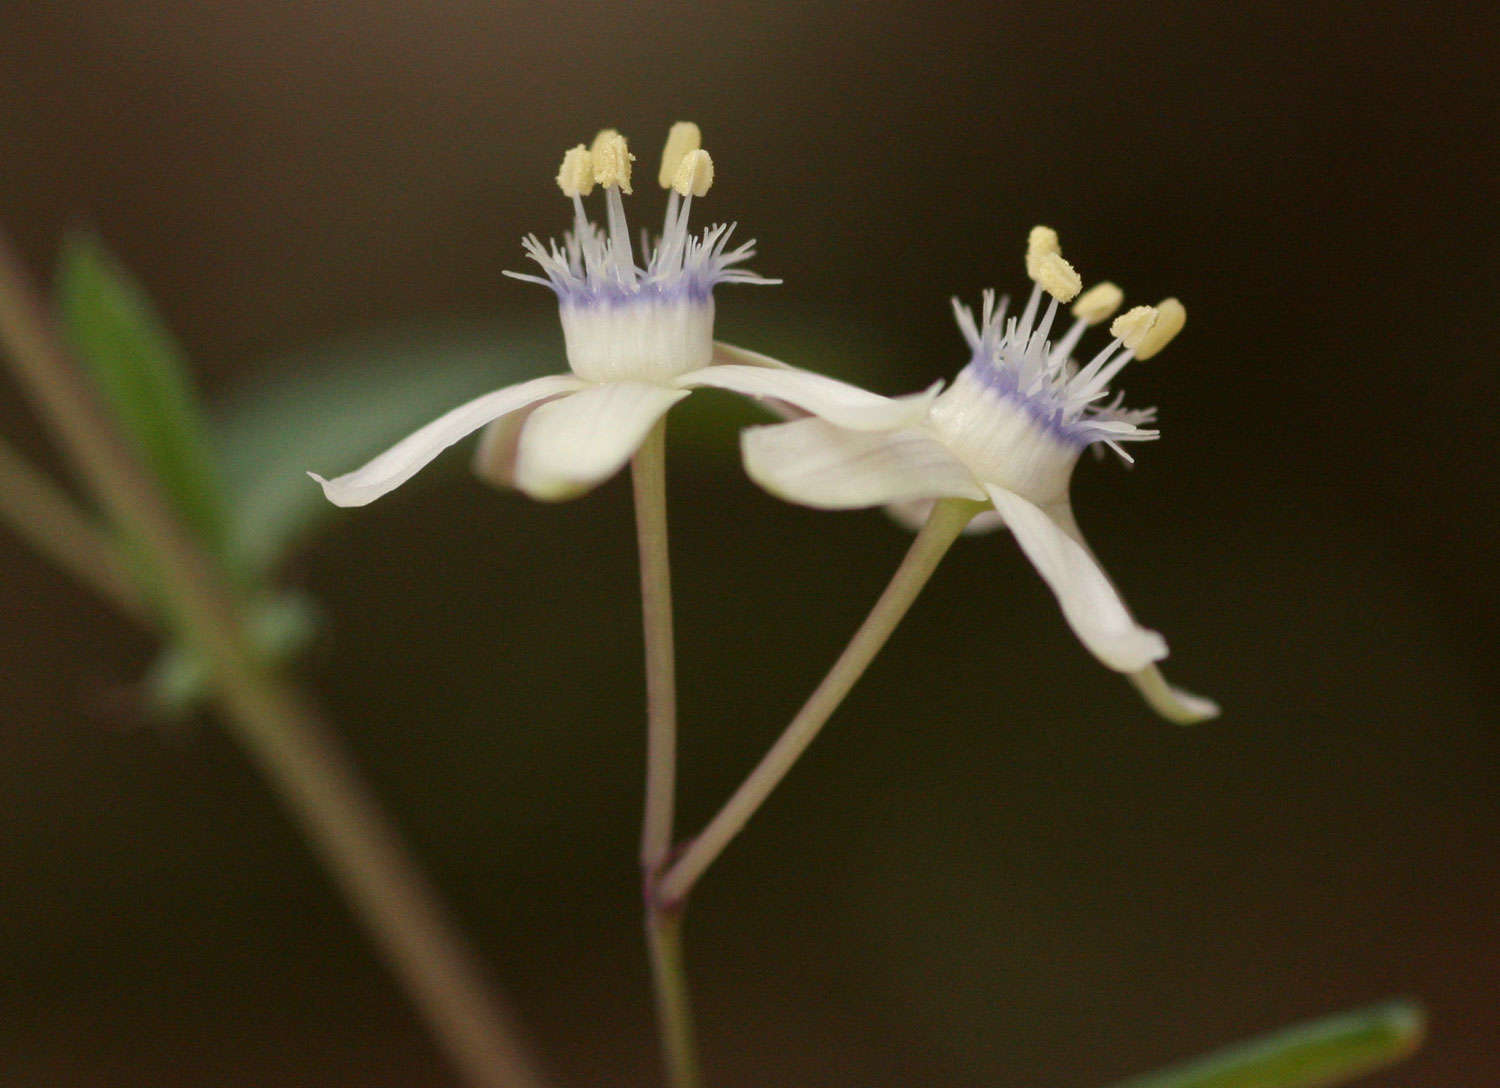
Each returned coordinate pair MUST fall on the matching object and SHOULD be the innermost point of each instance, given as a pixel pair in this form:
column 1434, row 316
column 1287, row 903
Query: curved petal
column 1172, row 703
column 840, row 403
column 913, row 514
column 817, row 464
column 1089, row 602
column 409, row 456
column 495, row 456
column 728, row 354
column 576, row 443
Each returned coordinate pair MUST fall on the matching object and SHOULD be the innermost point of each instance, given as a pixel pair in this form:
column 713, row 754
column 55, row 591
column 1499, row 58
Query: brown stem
column 303, row 762
column 46, row 518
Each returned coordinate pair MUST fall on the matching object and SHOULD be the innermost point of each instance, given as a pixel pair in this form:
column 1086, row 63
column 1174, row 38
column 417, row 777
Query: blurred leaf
column 279, row 628
column 333, row 407
column 1320, row 1052
column 141, row 373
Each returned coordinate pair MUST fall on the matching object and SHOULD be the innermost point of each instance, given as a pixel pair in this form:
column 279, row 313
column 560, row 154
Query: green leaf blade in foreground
column 1329, row 1051
column 141, row 373
column 331, row 408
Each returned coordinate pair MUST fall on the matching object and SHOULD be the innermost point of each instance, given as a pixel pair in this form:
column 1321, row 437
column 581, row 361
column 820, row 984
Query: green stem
column 649, row 476
column 674, row 1008
column 948, row 519
column 674, row 1014
column 46, row 518
column 310, row 771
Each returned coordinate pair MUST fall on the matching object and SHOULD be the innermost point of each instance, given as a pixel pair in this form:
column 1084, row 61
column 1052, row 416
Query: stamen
column 598, row 262
column 694, row 174
column 1131, row 327
column 1043, row 330
column 1028, row 315
column 1062, row 351
column 1098, row 302
column 1057, row 277
column 600, row 137
column 612, row 160
column 1039, row 243
column 576, row 175
column 1171, row 315
column 682, row 139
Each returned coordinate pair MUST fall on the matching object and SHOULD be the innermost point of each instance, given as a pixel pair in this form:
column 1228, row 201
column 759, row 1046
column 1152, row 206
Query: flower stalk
column 942, row 528
column 674, row 1008
column 299, row 755
column 649, row 478
column 674, row 1014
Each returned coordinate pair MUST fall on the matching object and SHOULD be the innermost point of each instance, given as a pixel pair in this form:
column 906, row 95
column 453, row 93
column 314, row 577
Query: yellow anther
column 599, row 138
column 1132, row 326
column 694, row 174
column 1040, row 242
column 612, row 160
column 1098, row 302
column 1058, row 278
column 1171, row 315
column 576, row 176
column 682, row 138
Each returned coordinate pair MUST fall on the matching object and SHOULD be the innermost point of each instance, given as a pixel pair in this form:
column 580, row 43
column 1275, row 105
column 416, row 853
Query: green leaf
column 331, row 408
column 279, row 628
column 141, row 373
column 1320, row 1052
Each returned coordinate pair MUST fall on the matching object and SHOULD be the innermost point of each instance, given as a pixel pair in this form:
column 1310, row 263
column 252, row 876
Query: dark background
column 996, row 868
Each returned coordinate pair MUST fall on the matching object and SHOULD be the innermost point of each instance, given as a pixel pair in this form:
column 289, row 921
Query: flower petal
column 840, row 403
column 495, row 455
column 913, row 514
column 406, row 458
column 728, row 354
column 814, row 463
column 576, row 443
column 1172, row 703
column 1089, row 602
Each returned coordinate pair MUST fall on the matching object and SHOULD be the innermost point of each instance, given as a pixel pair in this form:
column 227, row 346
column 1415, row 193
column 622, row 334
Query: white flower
column 639, row 338
column 1006, row 433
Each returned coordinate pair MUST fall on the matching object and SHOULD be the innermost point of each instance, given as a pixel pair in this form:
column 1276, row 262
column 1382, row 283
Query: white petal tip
column 554, row 490
column 333, row 493
column 1172, row 703
column 1195, row 708
column 1184, row 708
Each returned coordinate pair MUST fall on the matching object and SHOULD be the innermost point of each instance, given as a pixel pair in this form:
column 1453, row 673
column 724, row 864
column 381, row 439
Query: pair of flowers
column 1005, row 436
